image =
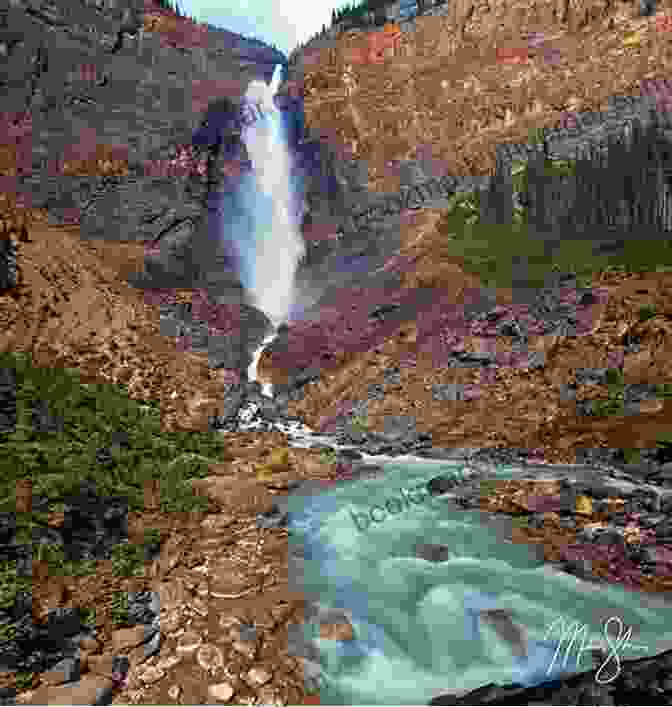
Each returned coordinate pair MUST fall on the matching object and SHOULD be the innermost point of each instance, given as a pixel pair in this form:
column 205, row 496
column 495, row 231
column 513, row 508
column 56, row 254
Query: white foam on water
column 252, row 370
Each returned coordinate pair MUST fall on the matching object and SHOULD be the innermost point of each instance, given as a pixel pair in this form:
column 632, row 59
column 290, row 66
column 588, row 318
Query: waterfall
column 269, row 257
column 276, row 246
column 266, row 388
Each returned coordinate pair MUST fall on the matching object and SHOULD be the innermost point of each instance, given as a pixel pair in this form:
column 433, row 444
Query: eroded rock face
column 130, row 70
column 231, row 350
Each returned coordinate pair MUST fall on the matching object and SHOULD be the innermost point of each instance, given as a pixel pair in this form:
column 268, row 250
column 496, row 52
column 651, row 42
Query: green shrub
column 647, row 311
column 120, row 608
column 664, row 390
column 7, row 631
column 615, row 379
column 54, row 556
column 328, row 456
column 632, row 455
column 521, row 521
column 611, row 406
column 359, row 423
column 152, row 535
column 128, row 560
column 88, row 616
column 57, row 462
column 489, row 487
column 11, row 583
column 24, row 680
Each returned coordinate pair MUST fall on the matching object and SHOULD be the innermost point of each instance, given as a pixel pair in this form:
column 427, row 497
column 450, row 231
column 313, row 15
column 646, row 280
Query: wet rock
column 511, row 327
column 383, row 310
column 7, row 696
column 143, row 607
column 232, row 400
column 66, row 670
column 306, row 375
column 364, row 470
column 269, row 410
column 441, row 484
column 634, row 684
column 349, row 454
column 392, row 376
column 252, row 389
column 8, row 264
column 375, row 448
column 447, row 391
column 299, row 645
column 376, row 392
column 432, row 553
column 447, row 454
column 355, row 436
column 642, row 501
column 664, row 531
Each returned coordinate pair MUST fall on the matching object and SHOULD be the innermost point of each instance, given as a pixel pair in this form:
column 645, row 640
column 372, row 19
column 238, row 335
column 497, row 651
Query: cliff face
column 103, row 184
column 446, row 84
column 119, row 125
column 454, row 95
column 130, row 80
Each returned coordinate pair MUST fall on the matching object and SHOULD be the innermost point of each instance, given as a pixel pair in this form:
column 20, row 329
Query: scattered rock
column 221, row 692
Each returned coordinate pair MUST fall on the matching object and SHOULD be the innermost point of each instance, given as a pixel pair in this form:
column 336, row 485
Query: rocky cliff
column 124, row 81
column 108, row 202
column 456, row 96
column 104, row 177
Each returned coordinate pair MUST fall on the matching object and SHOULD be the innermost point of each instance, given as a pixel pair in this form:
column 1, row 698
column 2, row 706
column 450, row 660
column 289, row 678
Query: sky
column 284, row 24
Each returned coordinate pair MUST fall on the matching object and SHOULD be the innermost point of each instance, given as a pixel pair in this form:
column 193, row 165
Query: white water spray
column 278, row 242
column 266, row 388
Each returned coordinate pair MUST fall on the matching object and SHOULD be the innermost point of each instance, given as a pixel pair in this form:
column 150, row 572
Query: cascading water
column 269, row 260
column 266, row 388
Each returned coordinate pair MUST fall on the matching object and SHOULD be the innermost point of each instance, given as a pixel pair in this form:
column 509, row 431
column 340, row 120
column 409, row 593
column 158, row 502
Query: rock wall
column 88, row 83
column 101, row 100
column 105, row 75
column 101, row 96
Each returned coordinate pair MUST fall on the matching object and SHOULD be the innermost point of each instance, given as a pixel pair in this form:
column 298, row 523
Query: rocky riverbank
column 171, row 640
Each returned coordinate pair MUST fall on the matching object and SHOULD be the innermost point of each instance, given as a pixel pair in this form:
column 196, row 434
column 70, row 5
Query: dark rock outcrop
column 95, row 76
column 8, row 269
column 645, row 681
column 90, row 76
column 232, row 351
column 93, row 526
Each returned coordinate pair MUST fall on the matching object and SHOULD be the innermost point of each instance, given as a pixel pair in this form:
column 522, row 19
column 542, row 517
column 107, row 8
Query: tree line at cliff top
column 168, row 6
column 356, row 15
